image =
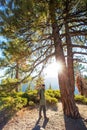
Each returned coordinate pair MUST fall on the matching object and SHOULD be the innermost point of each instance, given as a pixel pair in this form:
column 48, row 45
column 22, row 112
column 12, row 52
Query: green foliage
column 52, row 96
column 16, row 100
column 57, row 94
column 19, row 103
column 51, row 100
column 39, row 81
column 8, row 83
column 58, row 0
column 79, row 68
column 50, row 93
column 14, row 62
column 13, row 101
column 17, row 94
column 31, row 103
column 53, row 93
column 6, row 102
column 85, row 101
column 80, row 99
column 31, row 95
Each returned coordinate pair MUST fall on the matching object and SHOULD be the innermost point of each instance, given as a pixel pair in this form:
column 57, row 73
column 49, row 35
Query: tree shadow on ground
column 74, row 124
column 52, row 107
column 2, row 124
column 38, row 126
column 5, row 116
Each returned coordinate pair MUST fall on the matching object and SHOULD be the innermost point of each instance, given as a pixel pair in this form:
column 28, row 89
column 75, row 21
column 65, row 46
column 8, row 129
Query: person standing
column 42, row 106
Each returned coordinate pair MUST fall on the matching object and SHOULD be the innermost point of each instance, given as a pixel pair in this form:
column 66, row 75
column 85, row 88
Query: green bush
column 31, row 103
column 51, row 100
column 48, row 99
column 15, row 101
column 26, row 95
column 53, row 93
column 80, row 99
column 3, row 94
column 16, row 94
column 7, row 102
column 85, row 101
column 31, row 95
column 54, row 101
column 57, row 94
column 19, row 102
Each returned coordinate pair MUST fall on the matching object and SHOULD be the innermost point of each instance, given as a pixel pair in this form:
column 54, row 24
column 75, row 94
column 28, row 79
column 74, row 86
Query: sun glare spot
column 53, row 69
column 59, row 67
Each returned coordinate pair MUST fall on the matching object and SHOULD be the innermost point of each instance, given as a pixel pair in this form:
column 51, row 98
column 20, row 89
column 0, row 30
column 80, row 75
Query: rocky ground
column 27, row 119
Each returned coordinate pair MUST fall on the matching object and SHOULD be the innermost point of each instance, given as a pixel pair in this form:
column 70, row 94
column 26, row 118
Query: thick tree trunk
column 69, row 107
column 81, row 85
column 67, row 97
column 69, row 54
column 17, row 75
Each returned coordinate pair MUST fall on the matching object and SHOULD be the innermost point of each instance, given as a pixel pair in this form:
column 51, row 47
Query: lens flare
column 53, row 69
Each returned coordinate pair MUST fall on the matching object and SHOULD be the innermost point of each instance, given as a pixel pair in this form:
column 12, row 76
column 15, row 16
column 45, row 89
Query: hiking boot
column 40, row 117
column 46, row 118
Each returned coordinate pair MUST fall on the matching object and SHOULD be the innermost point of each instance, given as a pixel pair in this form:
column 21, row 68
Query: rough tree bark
column 17, row 75
column 69, row 49
column 69, row 106
column 81, row 84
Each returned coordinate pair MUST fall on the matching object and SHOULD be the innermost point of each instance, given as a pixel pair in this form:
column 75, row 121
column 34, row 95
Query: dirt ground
column 27, row 119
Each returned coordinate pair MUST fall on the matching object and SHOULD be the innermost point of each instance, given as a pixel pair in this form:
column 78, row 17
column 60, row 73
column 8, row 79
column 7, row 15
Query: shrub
column 50, row 92
column 31, row 103
column 51, row 100
column 7, row 102
column 85, row 101
column 16, row 94
column 80, row 99
column 26, row 95
column 48, row 99
column 53, row 93
column 57, row 94
column 15, row 101
column 20, row 102
column 54, row 101
column 31, row 95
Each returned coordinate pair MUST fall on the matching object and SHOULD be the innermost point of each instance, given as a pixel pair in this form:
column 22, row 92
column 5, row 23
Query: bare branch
column 76, row 33
column 82, row 53
column 79, row 46
column 79, row 60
